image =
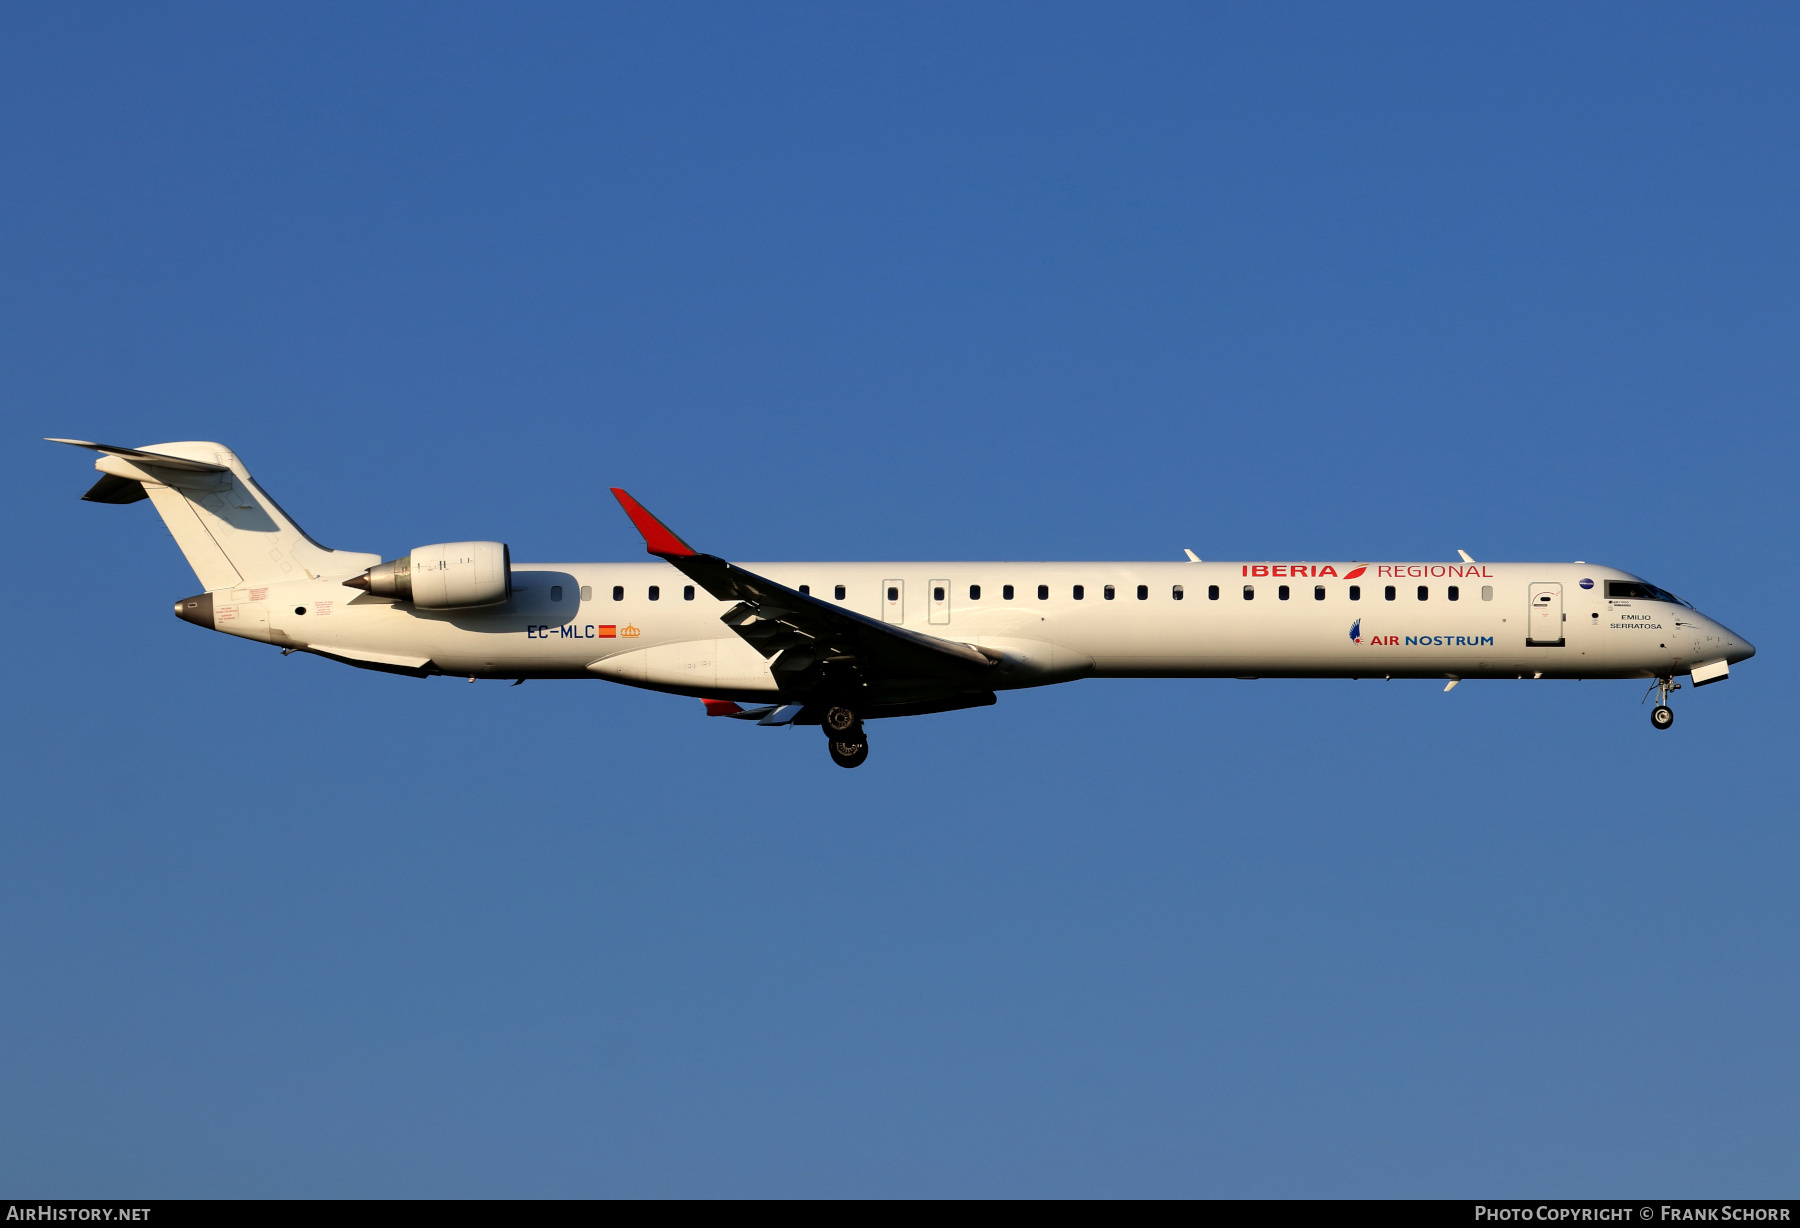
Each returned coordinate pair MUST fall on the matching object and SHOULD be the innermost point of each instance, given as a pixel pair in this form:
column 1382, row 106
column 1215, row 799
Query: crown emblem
column 628, row 632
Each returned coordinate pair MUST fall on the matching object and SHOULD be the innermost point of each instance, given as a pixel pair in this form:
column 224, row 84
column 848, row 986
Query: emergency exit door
column 1545, row 619
column 893, row 601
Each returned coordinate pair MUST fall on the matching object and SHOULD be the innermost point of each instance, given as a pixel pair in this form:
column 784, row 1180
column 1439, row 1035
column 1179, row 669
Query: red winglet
column 721, row 707
column 657, row 537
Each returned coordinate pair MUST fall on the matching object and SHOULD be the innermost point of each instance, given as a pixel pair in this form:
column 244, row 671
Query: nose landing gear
column 848, row 744
column 1662, row 716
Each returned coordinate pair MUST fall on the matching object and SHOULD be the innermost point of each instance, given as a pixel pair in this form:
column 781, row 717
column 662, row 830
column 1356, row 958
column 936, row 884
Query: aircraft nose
column 1737, row 648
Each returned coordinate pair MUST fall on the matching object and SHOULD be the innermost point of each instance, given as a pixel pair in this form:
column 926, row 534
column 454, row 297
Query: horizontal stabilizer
column 143, row 457
column 110, row 489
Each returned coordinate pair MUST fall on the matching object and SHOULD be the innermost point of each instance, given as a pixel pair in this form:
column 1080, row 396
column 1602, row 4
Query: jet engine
column 447, row 576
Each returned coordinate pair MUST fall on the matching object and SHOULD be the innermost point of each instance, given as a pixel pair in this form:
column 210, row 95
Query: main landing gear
column 1662, row 716
column 848, row 744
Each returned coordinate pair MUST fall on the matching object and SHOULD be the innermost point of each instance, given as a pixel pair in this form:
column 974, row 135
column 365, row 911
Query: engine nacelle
column 447, row 576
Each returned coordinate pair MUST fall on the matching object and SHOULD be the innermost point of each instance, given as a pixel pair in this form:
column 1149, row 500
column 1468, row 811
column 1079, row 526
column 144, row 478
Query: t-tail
column 231, row 531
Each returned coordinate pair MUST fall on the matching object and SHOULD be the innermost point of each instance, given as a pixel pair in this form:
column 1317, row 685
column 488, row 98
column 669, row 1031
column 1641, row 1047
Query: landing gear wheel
column 839, row 720
column 848, row 754
column 1662, row 716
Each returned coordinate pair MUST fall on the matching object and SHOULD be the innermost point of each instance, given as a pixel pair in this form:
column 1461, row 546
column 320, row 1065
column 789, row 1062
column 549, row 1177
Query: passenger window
column 687, row 593
column 838, row 592
column 1143, row 592
column 655, row 593
column 618, row 592
column 1453, row 593
column 1178, row 594
column 1487, row 592
column 1282, row 592
column 1388, row 592
column 937, row 594
column 556, row 592
column 1006, row 592
column 1356, row 592
column 1249, row 592
column 1212, row 592
column 1318, row 592
column 587, row 592
column 1107, row 592
column 1424, row 592
column 806, row 589
column 893, row 594
column 1080, row 592
column 1043, row 592
column 974, row 592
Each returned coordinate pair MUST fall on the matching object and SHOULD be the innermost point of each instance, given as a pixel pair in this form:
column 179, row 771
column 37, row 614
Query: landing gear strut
column 1662, row 716
column 848, row 744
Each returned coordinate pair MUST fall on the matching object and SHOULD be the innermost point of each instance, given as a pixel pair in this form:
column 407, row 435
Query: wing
column 808, row 640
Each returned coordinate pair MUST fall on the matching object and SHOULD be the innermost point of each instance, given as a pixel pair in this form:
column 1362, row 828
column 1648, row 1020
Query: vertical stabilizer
column 231, row 531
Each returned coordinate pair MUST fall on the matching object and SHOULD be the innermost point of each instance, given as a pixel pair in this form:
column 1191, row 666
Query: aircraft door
column 940, row 602
column 1545, row 621
column 893, row 601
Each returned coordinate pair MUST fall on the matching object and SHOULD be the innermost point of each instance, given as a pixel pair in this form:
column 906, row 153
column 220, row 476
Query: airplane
column 838, row 644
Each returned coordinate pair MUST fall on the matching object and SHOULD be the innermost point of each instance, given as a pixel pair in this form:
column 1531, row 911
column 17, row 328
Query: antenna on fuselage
column 1465, row 556
column 1192, row 557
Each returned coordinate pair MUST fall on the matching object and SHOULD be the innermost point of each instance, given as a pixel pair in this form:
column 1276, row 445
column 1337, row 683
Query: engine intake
column 447, row 576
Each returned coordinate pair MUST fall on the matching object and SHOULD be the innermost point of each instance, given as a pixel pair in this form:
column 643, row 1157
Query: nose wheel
column 1662, row 716
column 848, row 744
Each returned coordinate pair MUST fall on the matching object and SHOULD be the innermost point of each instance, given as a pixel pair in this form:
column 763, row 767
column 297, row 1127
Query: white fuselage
column 1506, row 620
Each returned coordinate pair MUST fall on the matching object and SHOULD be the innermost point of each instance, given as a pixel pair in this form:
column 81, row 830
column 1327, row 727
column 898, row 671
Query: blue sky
column 910, row 281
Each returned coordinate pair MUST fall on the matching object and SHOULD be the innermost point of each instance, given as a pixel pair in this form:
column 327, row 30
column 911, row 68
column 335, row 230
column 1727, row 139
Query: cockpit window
column 1636, row 590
